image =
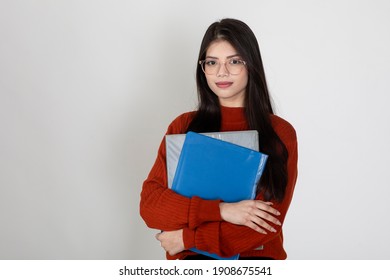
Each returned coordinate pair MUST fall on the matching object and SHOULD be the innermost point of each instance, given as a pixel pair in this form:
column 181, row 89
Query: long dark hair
column 258, row 107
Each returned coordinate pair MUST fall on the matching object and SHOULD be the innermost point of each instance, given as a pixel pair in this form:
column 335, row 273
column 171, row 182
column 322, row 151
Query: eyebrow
column 230, row 56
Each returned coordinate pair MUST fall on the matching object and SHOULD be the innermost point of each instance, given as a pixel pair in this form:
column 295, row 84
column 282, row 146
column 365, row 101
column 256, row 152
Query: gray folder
column 174, row 144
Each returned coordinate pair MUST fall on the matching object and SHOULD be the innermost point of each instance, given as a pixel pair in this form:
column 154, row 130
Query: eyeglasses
column 211, row 66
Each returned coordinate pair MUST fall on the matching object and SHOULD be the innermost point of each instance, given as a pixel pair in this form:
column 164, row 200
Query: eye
column 210, row 62
column 235, row 61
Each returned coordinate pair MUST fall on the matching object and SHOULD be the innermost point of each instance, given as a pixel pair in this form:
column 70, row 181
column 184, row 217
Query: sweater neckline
column 233, row 114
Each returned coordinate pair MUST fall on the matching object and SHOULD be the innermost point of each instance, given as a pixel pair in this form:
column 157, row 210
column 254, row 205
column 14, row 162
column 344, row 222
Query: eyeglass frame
column 201, row 62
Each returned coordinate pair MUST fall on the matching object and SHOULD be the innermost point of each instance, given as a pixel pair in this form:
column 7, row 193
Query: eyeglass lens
column 212, row 66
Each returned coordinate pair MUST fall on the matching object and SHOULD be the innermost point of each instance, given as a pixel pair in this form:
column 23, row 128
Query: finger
column 262, row 223
column 255, row 227
column 265, row 207
column 268, row 208
column 268, row 217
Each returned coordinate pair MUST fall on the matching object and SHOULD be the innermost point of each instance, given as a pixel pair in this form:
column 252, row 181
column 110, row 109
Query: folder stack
column 221, row 165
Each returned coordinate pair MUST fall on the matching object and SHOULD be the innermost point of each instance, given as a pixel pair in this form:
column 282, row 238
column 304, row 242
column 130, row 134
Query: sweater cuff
column 188, row 238
column 203, row 211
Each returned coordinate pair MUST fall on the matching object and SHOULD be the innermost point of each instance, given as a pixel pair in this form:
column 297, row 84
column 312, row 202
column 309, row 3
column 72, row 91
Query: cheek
column 244, row 77
column 210, row 83
column 243, row 82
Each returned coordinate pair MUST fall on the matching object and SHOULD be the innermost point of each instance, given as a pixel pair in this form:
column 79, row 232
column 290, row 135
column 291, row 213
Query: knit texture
column 203, row 227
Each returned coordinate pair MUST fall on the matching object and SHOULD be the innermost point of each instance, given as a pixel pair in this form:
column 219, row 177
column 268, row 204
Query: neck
column 231, row 103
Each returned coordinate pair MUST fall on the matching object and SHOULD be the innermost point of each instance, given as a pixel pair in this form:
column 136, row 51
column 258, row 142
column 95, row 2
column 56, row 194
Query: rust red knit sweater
column 202, row 225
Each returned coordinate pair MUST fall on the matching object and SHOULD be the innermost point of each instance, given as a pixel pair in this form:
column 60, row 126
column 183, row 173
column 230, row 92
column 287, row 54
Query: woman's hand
column 171, row 241
column 254, row 214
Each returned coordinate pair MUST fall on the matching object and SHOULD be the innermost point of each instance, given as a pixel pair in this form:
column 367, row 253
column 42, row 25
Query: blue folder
column 215, row 169
column 174, row 144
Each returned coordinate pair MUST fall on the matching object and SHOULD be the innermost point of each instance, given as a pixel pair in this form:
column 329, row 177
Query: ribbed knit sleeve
column 160, row 207
column 226, row 239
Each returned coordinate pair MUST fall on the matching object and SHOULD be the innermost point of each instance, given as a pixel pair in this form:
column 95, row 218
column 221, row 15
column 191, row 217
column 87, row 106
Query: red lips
column 223, row 84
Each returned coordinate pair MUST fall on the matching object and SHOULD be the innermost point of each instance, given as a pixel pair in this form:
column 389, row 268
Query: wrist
column 222, row 208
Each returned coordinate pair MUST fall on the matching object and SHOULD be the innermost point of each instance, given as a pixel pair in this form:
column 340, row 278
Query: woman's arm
column 254, row 214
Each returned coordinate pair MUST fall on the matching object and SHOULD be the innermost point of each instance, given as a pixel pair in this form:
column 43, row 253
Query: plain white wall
column 88, row 88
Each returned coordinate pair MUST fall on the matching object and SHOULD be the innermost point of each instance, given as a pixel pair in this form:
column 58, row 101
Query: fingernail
column 273, row 230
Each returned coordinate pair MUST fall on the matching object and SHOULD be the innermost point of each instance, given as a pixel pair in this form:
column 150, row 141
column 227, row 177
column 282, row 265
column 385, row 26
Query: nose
column 222, row 71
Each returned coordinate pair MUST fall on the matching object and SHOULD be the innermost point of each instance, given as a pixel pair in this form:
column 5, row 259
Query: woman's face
column 230, row 88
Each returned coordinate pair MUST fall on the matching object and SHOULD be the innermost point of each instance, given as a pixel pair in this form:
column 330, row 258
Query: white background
column 88, row 88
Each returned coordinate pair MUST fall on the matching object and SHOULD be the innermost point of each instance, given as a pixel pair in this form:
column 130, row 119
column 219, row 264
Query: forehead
column 221, row 49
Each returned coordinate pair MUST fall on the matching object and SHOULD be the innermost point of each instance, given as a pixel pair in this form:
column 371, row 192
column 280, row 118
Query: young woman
column 233, row 96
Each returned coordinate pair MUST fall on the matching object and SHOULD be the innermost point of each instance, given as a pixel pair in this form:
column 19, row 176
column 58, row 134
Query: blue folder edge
column 214, row 256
